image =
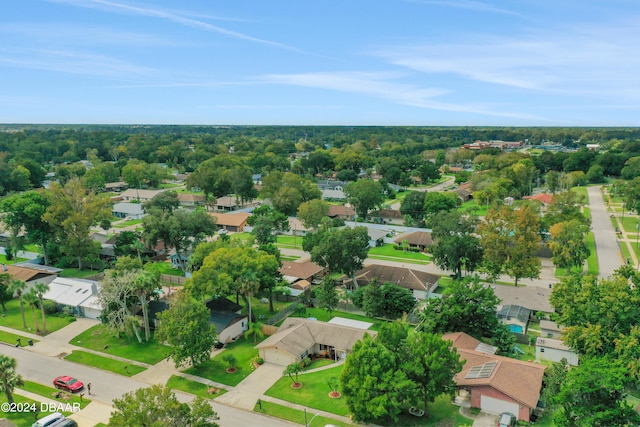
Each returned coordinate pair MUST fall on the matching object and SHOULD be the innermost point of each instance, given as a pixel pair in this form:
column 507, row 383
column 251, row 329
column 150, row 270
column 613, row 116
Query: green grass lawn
column 323, row 316
column 22, row 419
column 10, row 338
column 78, row 274
column 4, row 260
column 442, row 413
column 215, row 369
column 32, row 247
column 242, row 236
column 100, row 339
column 194, row 387
column 51, row 392
column 164, row 268
column 296, row 415
column 592, row 261
column 629, row 224
column 127, row 223
column 473, row 207
column 289, row 241
column 13, row 319
column 261, row 310
column 390, row 252
column 106, row 363
column 314, row 392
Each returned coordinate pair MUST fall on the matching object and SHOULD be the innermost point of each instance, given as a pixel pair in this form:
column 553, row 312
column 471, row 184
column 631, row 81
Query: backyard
column 323, row 316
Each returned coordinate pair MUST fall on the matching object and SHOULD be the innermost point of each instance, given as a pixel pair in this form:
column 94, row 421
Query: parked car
column 49, row 420
column 68, row 383
column 507, row 419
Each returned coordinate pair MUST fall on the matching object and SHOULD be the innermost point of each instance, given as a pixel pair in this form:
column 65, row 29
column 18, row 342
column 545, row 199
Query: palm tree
column 9, row 380
column 17, row 288
column 144, row 286
column 249, row 285
column 293, row 369
column 41, row 289
column 31, row 298
column 255, row 329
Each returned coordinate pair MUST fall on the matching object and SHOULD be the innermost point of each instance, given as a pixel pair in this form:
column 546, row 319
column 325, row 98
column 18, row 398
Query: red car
column 67, row 383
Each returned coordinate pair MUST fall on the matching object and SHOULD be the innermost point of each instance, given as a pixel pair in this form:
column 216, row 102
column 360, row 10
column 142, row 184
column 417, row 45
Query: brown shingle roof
column 532, row 297
column 300, row 269
column 522, row 381
column 400, row 276
column 297, row 335
column 190, row 198
column 416, row 238
column 541, row 197
column 24, row 273
column 335, row 210
column 235, row 219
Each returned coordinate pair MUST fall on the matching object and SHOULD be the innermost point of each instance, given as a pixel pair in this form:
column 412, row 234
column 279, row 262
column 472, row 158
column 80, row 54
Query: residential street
column 609, row 256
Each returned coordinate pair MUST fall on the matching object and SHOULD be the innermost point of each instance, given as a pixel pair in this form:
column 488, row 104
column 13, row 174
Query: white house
column 554, row 351
column 127, row 210
column 226, row 317
column 80, row 295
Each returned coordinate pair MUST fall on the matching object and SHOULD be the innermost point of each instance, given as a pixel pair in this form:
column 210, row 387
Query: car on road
column 68, row 383
column 507, row 419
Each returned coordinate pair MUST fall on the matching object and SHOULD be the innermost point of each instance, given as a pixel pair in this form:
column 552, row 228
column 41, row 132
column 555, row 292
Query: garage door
column 491, row 404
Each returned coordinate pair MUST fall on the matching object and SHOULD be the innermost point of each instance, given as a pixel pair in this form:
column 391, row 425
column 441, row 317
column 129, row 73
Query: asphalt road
column 106, row 386
column 609, row 255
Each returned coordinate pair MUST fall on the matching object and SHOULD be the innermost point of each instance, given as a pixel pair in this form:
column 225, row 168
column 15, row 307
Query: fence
column 173, row 280
column 282, row 314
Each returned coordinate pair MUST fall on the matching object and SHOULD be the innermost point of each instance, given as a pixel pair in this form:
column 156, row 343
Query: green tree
column 254, row 330
column 510, row 239
column 40, row 289
column 145, row 286
column 312, row 212
column 31, row 298
column 427, row 171
column 413, row 206
column 73, row 210
column 231, row 360
column 26, row 210
column 264, row 230
column 471, row 307
column 185, row 326
column 552, row 179
column 373, row 299
column 431, row 363
column 435, row 202
column 374, row 386
column 364, row 195
column 292, row 371
column 327, row 296
column 158, row 406
column 118, row 299
column 397, row 301
column 5, row 290
column 566, row 206
column 18, row 287
column 568, row 244
column 554, row 377
column 288, row 190
column 343, row 251
column 593, row 394
column 455, row 246
column 9, row 379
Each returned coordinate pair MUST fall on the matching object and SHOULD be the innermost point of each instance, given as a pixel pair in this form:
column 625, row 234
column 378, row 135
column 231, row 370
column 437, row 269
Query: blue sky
column 330, row 62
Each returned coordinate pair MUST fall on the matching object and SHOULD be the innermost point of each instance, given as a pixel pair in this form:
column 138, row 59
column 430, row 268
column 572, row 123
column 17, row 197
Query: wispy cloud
column 72, row 62
column 599, row 61
column 468, row 5
column 384, row 86
column 176, row 17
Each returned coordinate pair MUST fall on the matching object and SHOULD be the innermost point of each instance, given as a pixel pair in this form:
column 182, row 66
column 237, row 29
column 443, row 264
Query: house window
column 304, row 354
column 542, row 350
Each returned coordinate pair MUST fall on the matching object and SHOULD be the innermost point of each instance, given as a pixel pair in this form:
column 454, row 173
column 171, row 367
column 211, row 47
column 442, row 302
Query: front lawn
column 289, row 241
column 22, row 419
column 51, row 393
column 12, row 339
column 390, row 252
column 13, row 319
column 100, row 339
column 106, row 363
column 4, row 260
column 216, row 369
column 194, row 387
column 78, row 274
column 296, row 415
column 127, row 223
column 314, row 392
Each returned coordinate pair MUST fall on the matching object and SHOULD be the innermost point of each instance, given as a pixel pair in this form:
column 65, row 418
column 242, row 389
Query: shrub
column 71, row 319
column 50, row 307
column 259, row 360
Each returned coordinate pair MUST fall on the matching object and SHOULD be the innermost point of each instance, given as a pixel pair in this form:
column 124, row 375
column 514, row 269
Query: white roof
column 358, row 324
column 128, row 208
column 71, row 292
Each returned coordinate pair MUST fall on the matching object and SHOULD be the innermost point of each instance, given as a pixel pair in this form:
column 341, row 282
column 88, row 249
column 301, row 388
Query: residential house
column 387, row 216
column 79, row 295
column 227, row 204
column 544, row 198
column 226, row 317
column 30, row 273
column 191, row 200
column 235, row 221
column 534, row 298
column 138, row 195
column 116, row 187
column 302, row 269
column 298, row 338
column 496, row 383
column 343, row 212
column 420, row 283
column 555, row 350
column 415, row 239
column 296, row 227
column 127, row 210
column 333, row 195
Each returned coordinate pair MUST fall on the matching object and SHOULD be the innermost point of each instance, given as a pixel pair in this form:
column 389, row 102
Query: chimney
column 4, row 267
